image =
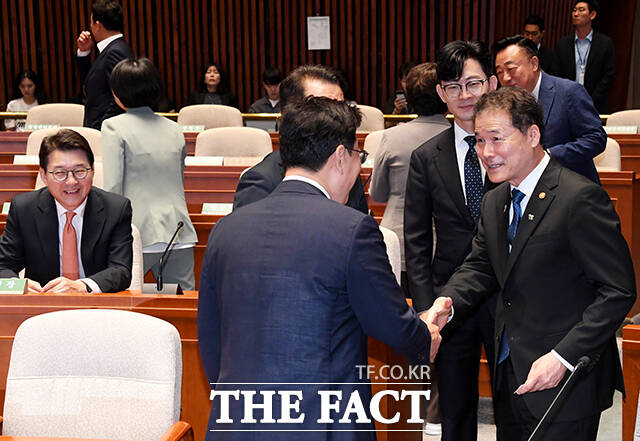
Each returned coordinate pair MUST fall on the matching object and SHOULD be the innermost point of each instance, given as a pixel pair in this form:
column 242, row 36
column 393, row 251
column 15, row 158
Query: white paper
column 318, row 33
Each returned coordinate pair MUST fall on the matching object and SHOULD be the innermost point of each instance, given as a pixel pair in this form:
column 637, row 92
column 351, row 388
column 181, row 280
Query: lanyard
column 582, row 58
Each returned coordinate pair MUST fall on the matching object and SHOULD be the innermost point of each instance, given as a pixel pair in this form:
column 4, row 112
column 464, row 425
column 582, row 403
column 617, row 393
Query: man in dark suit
column 296, row 303
column 445, row 186
column 574, row 133
column 587, row 57
column 68, row 236
column 549, row 241
column 106, row 30
column 260, row 180
column 534, row 31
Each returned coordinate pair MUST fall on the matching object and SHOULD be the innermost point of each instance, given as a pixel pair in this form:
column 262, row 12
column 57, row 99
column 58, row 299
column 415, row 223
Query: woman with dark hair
column 27, row 94
column 143, row 160
column 213, row 88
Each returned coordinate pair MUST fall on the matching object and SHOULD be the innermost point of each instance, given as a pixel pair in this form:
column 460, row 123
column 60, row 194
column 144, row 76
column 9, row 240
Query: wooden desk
column 45, row 438
column 629, row 150
column 631, row 369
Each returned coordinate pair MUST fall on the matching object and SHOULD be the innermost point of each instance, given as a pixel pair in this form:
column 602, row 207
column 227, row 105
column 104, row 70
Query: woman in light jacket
column 143, row 156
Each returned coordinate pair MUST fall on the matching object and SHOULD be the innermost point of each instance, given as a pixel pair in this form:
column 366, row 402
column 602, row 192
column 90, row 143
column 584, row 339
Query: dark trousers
column 457, row 366
column 516, row 423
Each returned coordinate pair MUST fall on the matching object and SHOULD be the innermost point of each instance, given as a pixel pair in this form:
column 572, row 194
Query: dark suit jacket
column 30, row 239
column 601, row 67
column 434, row 191
column 226, row 99
column 296, row 302
column 547, row 59
column 566, row 285
column 574, row 133
column 99, row 103
column 260, row 180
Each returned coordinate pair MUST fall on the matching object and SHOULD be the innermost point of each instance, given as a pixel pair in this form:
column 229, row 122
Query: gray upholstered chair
column 609, row 160
column 64, row 114
column 625, row 118
column 392, row 243
column 372, row 119
column 210, row 116
column 95, row 373
column 93, row 136
column 137, row 266
column 233, row 142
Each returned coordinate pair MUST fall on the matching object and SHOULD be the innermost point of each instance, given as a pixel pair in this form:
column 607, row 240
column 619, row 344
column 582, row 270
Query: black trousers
column 516, row 423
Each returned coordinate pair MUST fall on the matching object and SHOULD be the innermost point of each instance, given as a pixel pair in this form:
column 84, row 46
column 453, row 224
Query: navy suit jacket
column 99, row 103
column 574, row 133
column 291, row 286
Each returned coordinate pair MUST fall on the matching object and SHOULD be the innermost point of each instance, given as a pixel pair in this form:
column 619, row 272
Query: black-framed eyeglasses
column 363, row 155
column 79, row 173
column 474, row 87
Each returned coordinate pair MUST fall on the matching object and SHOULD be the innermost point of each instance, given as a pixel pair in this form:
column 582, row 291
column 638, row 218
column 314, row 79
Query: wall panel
column 370, row 38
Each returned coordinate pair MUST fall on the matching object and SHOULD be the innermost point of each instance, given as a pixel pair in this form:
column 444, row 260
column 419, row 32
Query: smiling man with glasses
column 68, row 236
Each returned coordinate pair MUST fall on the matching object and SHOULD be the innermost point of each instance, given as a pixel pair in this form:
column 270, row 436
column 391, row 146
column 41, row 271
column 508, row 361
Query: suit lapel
column 47, row 226
column 92, row 225
column 546, row 95
column 502, row 222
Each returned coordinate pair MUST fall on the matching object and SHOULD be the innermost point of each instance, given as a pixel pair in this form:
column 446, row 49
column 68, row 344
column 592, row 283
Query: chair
column 393, row 250
column 137, row 274
column 372, row 119
column 233, row 141
column 625, row 118
column 609, row 160
column 98, row 176
column 210, row 116
column 95, row 373
column 372, row 142
column 93, row 136
column 63, row 114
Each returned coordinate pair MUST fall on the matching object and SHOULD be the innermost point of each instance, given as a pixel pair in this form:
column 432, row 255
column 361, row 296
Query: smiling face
column 506, row 153
column 515, row 68
column 212, row 78
column 71, row 192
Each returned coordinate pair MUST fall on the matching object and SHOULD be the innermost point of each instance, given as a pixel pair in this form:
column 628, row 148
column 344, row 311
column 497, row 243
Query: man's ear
column 533, row 135
column 441, row 94
column 493, row 83
column 43, row 174
column 339, row 157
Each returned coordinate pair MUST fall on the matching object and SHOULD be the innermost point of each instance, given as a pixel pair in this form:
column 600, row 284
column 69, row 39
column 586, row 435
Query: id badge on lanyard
column 581, row 74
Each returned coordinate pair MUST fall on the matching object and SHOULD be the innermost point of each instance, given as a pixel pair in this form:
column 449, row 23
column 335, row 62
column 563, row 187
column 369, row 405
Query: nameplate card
column 621, row 129
column 203, row 160
column 193, row 128
column 217, row 208
column 33, row 127
column 26, row 159
column 5, row 207
column 13, row 286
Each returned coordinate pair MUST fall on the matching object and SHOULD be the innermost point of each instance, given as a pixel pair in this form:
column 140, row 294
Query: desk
column 631, row 369
column 44, row 438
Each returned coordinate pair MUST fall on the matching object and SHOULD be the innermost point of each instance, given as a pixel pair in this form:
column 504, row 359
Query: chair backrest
column 137, row 271
column 93, row 136
column 372, row 119
column 94, row 373
column 63, row 114
column 98, row 176
column 625, row 118
column 372, row 142
column 609, row 160
column 210, row 116
column 393, row 251
column 233, row 141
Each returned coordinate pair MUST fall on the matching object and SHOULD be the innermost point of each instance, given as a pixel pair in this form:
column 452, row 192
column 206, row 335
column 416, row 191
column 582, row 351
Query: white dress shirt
column 461, row 152
column 310, row 181
column 101, row 45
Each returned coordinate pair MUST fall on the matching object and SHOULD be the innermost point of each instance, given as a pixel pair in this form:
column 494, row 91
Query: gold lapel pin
column 542, row 195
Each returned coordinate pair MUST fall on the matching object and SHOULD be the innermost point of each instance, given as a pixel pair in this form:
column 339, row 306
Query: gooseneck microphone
column 166, row 254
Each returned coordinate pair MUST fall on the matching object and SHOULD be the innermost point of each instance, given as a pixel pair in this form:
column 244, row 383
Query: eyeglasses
column 79, row 173
column 363, row 155
column 474, row 87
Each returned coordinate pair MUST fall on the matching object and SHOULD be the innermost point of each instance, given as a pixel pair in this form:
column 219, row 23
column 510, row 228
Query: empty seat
column 372, row 119
column 210, row 116
column 63, row 114
column 625, row 118
column 609, row 160
column 233, row 141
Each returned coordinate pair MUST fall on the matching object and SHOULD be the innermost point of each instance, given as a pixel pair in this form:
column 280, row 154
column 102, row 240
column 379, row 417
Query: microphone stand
column 171, row 288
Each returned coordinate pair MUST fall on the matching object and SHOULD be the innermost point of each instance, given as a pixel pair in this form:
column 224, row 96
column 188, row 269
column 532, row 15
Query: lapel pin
column 542, row 195
column 530, row 216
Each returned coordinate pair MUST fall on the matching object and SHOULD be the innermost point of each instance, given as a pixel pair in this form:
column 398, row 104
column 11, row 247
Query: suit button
column 507, row 303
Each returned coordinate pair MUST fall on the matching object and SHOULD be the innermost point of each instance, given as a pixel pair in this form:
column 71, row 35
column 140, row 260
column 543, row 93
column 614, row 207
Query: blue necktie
column 516, row 198
column 472, row 178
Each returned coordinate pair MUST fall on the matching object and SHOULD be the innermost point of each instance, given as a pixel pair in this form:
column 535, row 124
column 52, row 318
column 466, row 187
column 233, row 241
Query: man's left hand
column 546, row 372
column 62, row 284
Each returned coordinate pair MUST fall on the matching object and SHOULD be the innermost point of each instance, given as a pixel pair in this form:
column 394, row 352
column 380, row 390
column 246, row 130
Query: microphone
column 160, row 287
column 165, row 255
column 584, row 364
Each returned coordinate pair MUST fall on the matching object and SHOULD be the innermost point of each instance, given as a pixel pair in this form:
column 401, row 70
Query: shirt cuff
column 83, row 53
column 563, row 361
column 93, row 285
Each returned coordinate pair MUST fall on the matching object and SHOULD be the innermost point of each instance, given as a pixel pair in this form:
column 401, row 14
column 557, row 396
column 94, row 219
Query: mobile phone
column 400, row 94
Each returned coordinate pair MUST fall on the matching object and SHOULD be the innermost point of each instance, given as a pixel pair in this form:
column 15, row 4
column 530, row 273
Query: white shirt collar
column 460, row 133
column 588, row 38
column 529, row 183
column 79, row 211
column 310, row 181
column 536, row 90
column 104, row 43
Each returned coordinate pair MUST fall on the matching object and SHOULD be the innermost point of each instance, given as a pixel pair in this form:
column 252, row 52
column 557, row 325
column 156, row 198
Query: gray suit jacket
column 391, row 167
column 143, row 156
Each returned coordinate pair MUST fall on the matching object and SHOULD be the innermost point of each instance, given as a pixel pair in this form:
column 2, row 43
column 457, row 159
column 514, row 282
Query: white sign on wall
column 318, row 33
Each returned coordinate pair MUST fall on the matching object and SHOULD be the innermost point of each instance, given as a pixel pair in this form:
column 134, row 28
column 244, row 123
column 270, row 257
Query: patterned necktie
column 69, row 249
column 516, row 198
column 472, row 178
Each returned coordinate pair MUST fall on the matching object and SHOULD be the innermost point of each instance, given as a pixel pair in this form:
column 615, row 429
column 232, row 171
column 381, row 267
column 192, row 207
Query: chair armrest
column 178, row 431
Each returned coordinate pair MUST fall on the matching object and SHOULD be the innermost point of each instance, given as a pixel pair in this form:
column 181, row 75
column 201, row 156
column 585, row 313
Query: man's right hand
column 435, row 318
column 85, row 41
column 33, row 286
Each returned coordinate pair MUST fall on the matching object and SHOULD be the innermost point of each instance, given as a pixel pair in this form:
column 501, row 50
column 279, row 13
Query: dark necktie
column 472, row 178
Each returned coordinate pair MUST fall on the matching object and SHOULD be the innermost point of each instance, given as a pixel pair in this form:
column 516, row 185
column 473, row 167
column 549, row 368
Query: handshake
column 435, row 318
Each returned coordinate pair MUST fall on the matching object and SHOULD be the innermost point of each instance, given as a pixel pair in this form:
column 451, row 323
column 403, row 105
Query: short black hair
column 109, row 13
column 292, row 87
column 33, row 77
column 528, row 45
column 535, row 20
column 404, row 68
column 271, row 76
column 524, row 109
column 593, row 4
column 64, row 140
column 223, row 86
column 313, row 128
column 136, row 83
column 421, row 90
column 453, row 55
